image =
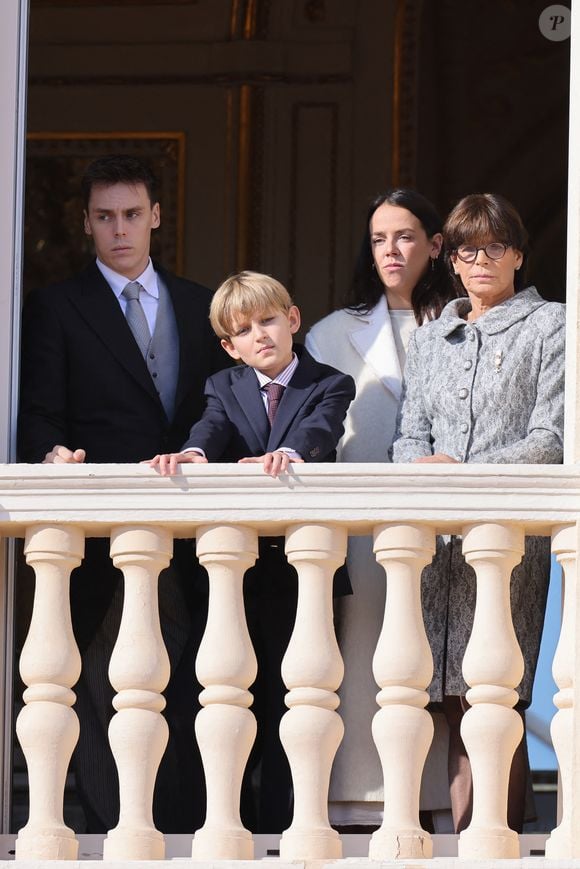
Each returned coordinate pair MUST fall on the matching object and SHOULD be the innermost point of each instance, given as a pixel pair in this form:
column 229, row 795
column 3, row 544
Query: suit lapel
column 373, row 340
column 247, row 392
column 97, row 305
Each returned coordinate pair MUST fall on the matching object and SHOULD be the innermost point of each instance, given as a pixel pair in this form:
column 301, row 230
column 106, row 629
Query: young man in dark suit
column 114, row 361
column 279, row 407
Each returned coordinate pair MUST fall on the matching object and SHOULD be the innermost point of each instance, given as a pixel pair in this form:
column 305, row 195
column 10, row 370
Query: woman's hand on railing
column 438, row 458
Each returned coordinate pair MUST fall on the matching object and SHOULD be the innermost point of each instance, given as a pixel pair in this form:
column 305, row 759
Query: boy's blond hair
column 245, row 294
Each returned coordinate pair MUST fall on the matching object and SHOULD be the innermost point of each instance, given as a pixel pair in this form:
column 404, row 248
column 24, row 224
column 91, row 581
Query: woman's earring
column 433, row 258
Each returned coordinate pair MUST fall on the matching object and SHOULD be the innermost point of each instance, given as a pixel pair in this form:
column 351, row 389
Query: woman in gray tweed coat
column 484, row 383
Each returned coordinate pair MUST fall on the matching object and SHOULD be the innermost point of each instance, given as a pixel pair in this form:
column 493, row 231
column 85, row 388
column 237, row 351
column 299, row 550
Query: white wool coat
column 363, row 346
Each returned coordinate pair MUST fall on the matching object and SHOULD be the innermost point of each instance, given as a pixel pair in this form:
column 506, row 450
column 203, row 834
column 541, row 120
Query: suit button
column 152, row 356
column 154, row 374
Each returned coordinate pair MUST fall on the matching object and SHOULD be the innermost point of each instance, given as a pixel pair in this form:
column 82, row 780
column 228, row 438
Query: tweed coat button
column 467, row 364
column 471, row 336
column 464, row 427
column 463, row 392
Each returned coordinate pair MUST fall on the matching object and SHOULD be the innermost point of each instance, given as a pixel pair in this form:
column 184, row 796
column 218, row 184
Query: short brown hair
column 117, row 169
column 242, row 295
column 483, row 217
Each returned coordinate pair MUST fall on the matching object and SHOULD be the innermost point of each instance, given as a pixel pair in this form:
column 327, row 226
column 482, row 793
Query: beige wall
column 296, row 112
column 312, row 89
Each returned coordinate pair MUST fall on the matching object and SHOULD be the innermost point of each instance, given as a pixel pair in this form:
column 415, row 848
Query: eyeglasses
column 467, row 253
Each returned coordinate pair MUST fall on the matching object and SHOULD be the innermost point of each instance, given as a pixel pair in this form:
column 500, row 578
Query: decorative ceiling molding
column 219, row 78
column 249, row 19
column 405, row 84
column 315, row 10
column 54, row 4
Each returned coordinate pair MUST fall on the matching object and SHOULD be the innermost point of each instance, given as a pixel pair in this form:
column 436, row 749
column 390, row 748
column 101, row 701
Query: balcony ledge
column 99, row 497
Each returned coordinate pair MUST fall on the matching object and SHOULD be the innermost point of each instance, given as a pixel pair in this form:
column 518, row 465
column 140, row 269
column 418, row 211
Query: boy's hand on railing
column 60, row 455
column 166, row 463
column 274, row 463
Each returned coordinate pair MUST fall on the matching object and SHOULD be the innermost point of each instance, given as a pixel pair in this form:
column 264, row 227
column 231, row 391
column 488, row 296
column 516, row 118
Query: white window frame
column 13, row 81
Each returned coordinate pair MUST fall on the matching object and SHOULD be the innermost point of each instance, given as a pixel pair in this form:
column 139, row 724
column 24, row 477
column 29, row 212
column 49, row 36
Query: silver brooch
column 498, row 359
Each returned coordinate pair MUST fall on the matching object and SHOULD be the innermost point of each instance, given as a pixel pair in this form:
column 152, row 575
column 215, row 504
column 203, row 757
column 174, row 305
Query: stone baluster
column 312, row 669
column 50, row 664
column 139, row 671
column 564, row 843
column 226, row 667
column 493, row 666
column 403, row 669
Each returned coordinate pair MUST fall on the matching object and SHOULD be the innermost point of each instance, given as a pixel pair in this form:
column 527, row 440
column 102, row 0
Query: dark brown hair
column 435, row 287
column 117, row 169
column 483, row 217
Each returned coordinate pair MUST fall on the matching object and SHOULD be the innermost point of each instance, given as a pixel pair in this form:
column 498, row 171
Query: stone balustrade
column 316, row 507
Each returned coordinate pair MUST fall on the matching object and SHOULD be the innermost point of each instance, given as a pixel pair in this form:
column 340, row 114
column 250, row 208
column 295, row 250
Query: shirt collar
column 117, row 282
column 283, row 378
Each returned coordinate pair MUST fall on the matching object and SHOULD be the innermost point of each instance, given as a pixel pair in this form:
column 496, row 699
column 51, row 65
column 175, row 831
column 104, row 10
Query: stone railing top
column 98, row 497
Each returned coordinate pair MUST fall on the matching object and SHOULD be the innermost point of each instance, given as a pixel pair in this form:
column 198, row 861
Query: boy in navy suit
column 280, row 407
column 255, row 319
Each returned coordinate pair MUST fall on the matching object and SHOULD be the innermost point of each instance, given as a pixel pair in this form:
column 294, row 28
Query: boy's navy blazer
column 309, row 419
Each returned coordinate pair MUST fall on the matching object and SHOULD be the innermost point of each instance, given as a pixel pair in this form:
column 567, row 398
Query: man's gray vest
column 163, row 354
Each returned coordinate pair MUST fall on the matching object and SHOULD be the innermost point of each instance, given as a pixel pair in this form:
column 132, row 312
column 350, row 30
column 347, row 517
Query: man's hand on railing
column 60, row 455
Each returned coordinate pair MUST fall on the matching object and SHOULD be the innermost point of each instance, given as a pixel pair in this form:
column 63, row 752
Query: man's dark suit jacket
column 234, row 425
column 309, row 419
column 85, row 384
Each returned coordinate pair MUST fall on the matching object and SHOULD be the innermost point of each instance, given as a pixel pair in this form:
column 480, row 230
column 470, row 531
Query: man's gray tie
column 275, row 392
column 135, row 316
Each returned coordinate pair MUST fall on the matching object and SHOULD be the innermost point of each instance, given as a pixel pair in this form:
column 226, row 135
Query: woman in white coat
column 400, row 281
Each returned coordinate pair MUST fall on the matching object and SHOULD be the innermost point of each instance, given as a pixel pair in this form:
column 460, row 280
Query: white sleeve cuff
column 194, row 450
column 289, row 452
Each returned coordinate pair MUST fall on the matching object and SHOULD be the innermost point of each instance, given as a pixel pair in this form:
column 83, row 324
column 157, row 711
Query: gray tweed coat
column 490, row 391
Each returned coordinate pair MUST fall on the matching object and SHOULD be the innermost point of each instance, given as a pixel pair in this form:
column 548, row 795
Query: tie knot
column 274, row 390
column 132, row 290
